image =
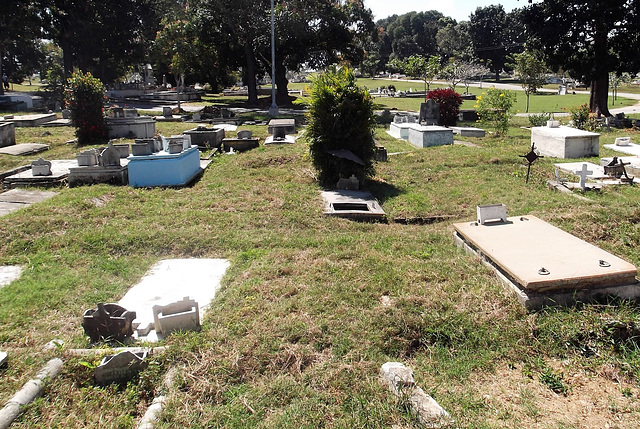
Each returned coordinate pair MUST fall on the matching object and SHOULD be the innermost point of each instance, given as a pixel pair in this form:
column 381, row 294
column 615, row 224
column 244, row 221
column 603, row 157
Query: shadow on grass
column 383, row 191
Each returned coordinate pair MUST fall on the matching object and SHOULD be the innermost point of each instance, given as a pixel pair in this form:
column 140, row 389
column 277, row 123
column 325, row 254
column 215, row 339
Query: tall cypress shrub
column 340, row 117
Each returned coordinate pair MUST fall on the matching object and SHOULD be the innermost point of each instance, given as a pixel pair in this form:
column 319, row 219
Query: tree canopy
column 589, row 39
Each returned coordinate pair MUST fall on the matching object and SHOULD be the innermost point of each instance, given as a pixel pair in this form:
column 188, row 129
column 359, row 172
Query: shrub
column 494, row 107
column 85, row 97
column 539, row 119
column 340, row 117
column 580, row 116
column 449, row 102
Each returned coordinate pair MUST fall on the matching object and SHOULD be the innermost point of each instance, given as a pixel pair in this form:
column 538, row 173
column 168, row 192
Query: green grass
column 299, row 329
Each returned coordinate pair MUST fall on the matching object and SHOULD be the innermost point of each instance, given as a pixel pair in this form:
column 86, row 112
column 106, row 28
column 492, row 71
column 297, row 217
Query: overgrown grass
column 311, row 306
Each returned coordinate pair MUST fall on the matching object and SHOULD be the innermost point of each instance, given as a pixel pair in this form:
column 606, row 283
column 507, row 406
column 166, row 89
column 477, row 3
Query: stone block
column 430, row 135
column 178, row 316
column 206, row 138
column 164, row 169
column 7, row 134
column 565, row 142
column 289, row 125
column 400, row 130
column 491, row 212
column 121, row 367
column 468, row 131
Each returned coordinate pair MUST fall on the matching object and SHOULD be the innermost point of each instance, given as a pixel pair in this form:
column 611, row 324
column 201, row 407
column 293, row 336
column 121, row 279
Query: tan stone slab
column 25, row 196
column 523, row 246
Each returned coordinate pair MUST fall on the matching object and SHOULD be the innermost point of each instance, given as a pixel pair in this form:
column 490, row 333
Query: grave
column 206, row 138
column 127, row 123
column 352, row 204
column 632, row 164
column 289, row 126
column 59, row 173
column 468, row 131
column 167, row 282
column 16, row 199
column 430, row 135
column 111, row 322
column 429, row 113
column 164, row 169
column 29, row 120
column 597, row 174
column 244, row 141
column 121, row 367
column 565, row 142
column 400, row 130
column 41, row 167
column 629, row 148
column 109, row 169
column 60, row 122
column 279, row 136
column 24, row 149
column 545, row 266
column 9, row 273
column 7, row 134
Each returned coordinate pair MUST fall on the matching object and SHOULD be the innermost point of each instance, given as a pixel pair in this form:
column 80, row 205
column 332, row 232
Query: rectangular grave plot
column 539, row 257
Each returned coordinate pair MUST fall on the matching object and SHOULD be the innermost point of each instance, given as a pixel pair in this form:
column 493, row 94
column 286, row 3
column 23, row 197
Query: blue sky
column 456, row 9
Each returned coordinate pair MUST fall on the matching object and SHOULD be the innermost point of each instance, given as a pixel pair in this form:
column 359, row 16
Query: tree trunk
column 599, row 96
column 282, row 90
column 67, row 57
column 251, row 74
column 1, row 73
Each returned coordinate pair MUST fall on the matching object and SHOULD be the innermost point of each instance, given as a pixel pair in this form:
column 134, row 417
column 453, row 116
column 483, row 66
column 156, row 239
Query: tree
column 495, row 34
column 423, row 68
column 454, row 41
column 589, row 39
column 340, row 118
column 413, row 33
column 531, row 72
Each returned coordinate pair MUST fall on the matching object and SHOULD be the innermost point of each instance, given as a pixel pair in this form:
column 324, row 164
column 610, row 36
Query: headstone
column 41, row 167
column 121, row 367
column 66, row 113
column 87, row 158
column 623, row 141
column 245, row 134
column 429, row 113
column 196, row 116
column 583, row 173
column 110, row 157
column 7, row 134
column 167, row 111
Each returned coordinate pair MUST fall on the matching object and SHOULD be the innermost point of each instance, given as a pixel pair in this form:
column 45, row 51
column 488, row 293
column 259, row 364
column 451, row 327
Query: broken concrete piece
column 399, row 379
column 121, row 367
column 108, row 322
column 178, row 316
column 491, row 212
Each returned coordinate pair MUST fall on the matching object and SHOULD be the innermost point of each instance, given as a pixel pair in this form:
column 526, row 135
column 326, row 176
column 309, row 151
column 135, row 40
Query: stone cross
column 583, row 176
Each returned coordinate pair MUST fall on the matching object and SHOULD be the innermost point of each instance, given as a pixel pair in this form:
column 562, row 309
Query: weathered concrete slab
column 288, row 139
column 169, row 281
column 61, row 122
column 400, row 130
column 572, row 167
column 24, row 149
column 352, row 204
column 7, row 134
column 565, row 142
column 430, row 135
column 30, row 120
column 539, row 257
column 9, row 273
column 24, row 196
column 468, row 131
column 59, row 173
column 631, row 148
column 289, row 125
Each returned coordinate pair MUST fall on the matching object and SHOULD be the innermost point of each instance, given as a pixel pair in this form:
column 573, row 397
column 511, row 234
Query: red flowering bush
column 84, row 96
column 449, row 102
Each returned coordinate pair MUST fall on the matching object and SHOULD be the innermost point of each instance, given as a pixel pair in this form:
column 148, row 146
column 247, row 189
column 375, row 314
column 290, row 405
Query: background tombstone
column 429, row 113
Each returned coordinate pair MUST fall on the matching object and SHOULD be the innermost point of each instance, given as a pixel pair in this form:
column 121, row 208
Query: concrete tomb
column 352, row 204
column 35, row 120
column 110, row 168
column 545, row 266
column 565, row 142
column 429, row 113
column 430, row 135
column 400, row 130
column 7, row 134
column 59, row 173
column 289, row 126
column 127, row 123
column 164, row 169
column 244, row 141
column 121, row 367
column 206, row 138
column 468, row 131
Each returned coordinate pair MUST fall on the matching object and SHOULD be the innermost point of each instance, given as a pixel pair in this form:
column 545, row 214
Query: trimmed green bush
column 85, row 97
column 495, row 107
column 340, row 117
column 450, row 102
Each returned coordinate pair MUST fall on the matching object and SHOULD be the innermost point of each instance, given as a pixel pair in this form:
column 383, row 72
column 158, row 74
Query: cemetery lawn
column 312, row 306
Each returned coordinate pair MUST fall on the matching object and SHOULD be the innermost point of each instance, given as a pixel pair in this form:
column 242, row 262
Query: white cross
column 583, row 175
